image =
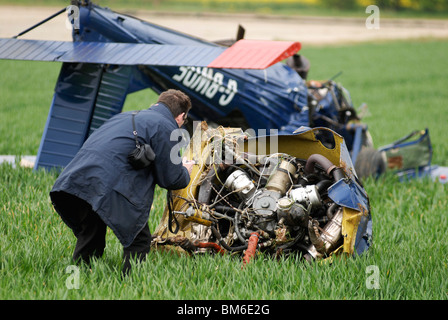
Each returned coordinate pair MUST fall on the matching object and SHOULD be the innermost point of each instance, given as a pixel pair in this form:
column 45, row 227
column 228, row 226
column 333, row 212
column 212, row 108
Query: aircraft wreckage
column 276, row 194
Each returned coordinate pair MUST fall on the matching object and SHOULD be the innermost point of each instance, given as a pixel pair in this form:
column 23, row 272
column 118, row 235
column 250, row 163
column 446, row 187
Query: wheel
column 370, row 162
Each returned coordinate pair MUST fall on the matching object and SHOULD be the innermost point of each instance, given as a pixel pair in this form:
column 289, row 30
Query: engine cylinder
column 280, row 179
column 293, row 213
column 307, row 195
column 240, row 182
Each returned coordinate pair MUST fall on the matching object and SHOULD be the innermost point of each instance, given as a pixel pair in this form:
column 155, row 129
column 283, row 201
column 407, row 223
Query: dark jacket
column 100, row 174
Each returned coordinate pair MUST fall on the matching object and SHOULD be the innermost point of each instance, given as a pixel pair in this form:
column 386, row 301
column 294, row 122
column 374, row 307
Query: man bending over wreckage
column 100, row 188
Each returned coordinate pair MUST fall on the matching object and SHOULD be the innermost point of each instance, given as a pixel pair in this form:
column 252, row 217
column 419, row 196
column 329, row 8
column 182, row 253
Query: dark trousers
column 90, row 231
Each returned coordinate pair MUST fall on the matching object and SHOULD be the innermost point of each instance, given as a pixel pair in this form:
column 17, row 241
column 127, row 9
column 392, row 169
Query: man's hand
column 188, row 164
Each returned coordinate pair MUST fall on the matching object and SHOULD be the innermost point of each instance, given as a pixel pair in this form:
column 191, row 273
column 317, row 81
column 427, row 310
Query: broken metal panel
column 255, row 54
column 413, row 151
column 349, row 195
column 70, row 113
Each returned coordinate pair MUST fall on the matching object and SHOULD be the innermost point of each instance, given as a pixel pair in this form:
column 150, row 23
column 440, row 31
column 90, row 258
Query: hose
column 212, row 245
column 323, row 185
column 326, row 164
column 338, row 174
column 224, row 209
column 224, row 244
column 331, row 210
column 251, row 248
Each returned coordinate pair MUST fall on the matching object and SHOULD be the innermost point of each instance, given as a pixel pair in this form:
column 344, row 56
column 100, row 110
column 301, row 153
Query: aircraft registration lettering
column 207, row 83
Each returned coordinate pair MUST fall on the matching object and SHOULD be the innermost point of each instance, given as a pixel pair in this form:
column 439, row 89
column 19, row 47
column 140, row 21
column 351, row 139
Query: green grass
column 403, row 84
column 409, row 250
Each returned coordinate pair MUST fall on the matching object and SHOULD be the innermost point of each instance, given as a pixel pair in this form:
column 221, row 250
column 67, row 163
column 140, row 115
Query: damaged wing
column 243, row 54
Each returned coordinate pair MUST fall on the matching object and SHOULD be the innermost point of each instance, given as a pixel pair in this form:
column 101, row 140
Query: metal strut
column 39, row 23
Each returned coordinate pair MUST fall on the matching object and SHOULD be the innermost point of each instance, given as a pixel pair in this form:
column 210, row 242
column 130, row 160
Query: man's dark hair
column 176, row 101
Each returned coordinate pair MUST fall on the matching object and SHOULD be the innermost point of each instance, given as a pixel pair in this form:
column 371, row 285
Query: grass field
column 404, row 84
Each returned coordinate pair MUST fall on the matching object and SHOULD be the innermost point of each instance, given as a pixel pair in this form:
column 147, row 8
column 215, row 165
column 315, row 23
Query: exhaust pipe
column 324, row 243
